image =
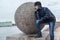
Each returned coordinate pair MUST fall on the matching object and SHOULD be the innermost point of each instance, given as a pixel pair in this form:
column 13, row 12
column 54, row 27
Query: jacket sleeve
column 35, row 14
column 47, row 15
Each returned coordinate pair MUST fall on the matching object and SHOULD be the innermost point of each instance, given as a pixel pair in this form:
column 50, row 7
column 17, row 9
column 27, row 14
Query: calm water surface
column 6, row 31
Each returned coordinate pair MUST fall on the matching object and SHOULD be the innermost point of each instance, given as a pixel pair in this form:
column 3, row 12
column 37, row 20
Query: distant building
column 3, row 24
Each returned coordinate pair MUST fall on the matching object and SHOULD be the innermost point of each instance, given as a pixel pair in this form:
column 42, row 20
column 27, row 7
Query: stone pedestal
column 57, row 35
column 28, row 37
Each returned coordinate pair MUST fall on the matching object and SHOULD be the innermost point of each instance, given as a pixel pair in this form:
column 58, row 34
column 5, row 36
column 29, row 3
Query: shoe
column 38, row 36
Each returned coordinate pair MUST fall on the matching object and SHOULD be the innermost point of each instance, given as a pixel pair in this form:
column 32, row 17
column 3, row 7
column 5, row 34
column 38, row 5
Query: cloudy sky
column 8, row 8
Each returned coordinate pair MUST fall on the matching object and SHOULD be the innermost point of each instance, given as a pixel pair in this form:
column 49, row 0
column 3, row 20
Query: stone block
column 28, row 37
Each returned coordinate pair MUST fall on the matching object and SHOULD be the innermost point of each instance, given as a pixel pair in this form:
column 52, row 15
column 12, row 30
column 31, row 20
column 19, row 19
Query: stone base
column 57, row 35
column 28, row 37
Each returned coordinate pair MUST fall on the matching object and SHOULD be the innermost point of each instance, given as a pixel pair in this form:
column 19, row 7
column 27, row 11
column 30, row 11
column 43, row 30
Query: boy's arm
column 47, row 15
column 35, row 14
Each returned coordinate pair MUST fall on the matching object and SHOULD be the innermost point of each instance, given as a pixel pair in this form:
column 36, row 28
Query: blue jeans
column 51, row 28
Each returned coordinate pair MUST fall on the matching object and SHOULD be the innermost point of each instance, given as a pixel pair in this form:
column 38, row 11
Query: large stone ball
column 25, row 19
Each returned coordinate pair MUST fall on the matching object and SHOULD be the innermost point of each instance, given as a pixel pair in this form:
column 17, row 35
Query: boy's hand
column 39, row 20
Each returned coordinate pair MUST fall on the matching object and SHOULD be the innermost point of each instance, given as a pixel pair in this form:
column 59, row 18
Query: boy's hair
column 37, row 3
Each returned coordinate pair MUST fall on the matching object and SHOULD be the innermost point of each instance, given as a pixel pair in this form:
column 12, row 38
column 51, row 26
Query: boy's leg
column 38, row 28
column 51, row 27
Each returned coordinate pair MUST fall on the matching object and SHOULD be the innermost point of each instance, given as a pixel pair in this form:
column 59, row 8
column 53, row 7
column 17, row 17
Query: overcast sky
column 8, row 8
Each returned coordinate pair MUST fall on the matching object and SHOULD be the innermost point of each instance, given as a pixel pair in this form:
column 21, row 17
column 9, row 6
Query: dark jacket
column 44, row 14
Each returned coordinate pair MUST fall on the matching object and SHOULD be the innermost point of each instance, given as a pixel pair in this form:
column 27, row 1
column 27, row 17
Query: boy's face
column 36, row 7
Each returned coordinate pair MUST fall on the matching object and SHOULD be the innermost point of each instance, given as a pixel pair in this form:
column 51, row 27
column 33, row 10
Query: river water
column 6, row 31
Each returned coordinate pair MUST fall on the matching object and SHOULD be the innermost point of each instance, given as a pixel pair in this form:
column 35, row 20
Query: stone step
column 28, row 37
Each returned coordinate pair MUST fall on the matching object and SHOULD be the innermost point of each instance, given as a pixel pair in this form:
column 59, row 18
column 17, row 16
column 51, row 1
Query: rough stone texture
column 25, row 19
column 57, row 35
column 26, row 37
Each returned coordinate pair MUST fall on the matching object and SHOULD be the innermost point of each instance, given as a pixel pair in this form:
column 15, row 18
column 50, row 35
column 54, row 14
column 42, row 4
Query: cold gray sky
column 8, row 8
